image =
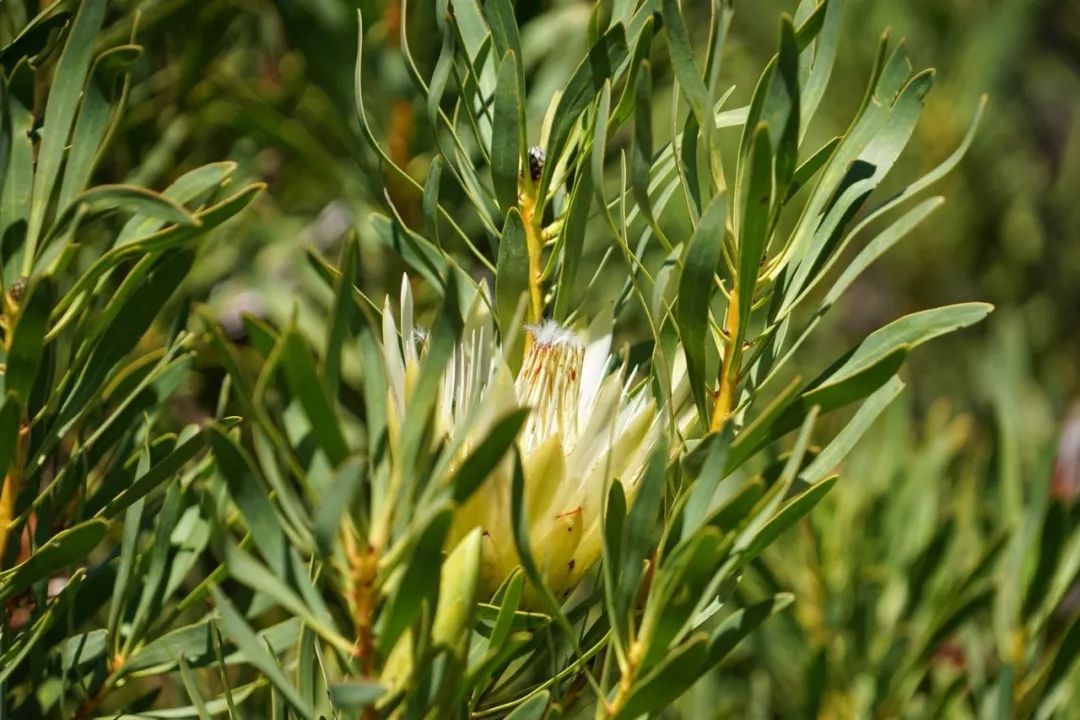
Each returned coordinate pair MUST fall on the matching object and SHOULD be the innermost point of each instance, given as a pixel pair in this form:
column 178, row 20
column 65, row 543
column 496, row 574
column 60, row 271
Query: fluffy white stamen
column 551, row 333
column 550, row 383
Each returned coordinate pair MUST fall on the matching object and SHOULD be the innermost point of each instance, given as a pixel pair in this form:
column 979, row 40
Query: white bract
column 586, row 428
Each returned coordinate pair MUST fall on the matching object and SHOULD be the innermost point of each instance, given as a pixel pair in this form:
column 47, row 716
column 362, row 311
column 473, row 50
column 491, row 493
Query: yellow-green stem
column 534, row 244
column 9, row 494
column 363, row 566
column 7, row 508
column 729, row 371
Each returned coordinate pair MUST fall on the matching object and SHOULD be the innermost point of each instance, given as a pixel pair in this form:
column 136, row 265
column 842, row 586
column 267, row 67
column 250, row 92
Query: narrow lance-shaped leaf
column 512, row 271
column 695, row 291
column 64, row 95
column 910, row 331
column 605, row 57
column 755, row 220
column 308, row 386
column 256, row 653
column 93, row 120
column 27, row 339
column 682, row 61
column 62, row 550
column 419, row 583
column 507, row 133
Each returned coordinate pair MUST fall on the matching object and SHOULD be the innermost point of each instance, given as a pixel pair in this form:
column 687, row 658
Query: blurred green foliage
column 269, row 86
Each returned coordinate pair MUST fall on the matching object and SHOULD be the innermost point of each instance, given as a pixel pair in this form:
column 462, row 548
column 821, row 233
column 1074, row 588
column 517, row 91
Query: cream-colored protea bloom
column 587, row 427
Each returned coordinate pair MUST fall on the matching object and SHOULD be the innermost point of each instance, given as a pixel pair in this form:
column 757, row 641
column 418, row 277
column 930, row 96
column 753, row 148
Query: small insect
column 18, row 289
column 536, row 162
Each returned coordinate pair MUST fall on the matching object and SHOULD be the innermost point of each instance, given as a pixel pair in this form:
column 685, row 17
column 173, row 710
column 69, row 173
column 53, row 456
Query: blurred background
column 986, row 420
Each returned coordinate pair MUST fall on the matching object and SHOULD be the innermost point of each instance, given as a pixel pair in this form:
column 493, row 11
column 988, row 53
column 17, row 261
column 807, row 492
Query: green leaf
column 533, row 708
column 786, row 415
column 512, row 272
column 33, row 38
column 809, row 167
column 878, row 246
column 507, row 134
column 641, row 157
column 572, row 243
column 614, row 524
column 706, row 464
column 355, row 694
column 420, row 255
column 667, row 681
column 504, row 26
column 238, row 471
column 642, row 52
column 10, row 415
column 255, row 653
column 66, row 548
column 845, row 440
column 741, row 623
column 909, row 331
column 16, row 131
column 780, row 112
column 217, row 706
column 67, row 86
column 640, row 526
column 171, row 237
column 83, row 648
column 185, row 190
column 195, row 642
column 419, row 583
column 779, row 489
column 191, row 684
column 1065, row 657
column 695, row 290
column 343, row 312
column 735, row 511
column 128, row 551
column 337, row 500
column 93, row 120
column 27, row 340
column 27, row 640
column 310, row 389
column 162, row 471
column 792, row 511
column 127, row 325
column 686, row 71
column 860, row 163
column 753, row 225
column 160, row 560
column 127, row 198
column 581, row 90
column 676, row 591
column 824, row 56
column 247, row 570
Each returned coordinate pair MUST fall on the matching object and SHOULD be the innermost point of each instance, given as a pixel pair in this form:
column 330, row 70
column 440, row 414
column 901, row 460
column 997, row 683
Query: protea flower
column 588, row 425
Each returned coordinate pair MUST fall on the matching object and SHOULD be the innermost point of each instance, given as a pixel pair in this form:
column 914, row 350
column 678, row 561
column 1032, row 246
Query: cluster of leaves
column 87, row 438
column 926, row 588
column 621, row 648
column 321, row 546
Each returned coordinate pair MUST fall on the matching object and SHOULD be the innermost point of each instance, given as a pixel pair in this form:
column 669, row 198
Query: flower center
column 550, row 383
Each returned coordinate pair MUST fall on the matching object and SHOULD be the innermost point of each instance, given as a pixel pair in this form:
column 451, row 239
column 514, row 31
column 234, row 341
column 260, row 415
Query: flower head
column 586, row 428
